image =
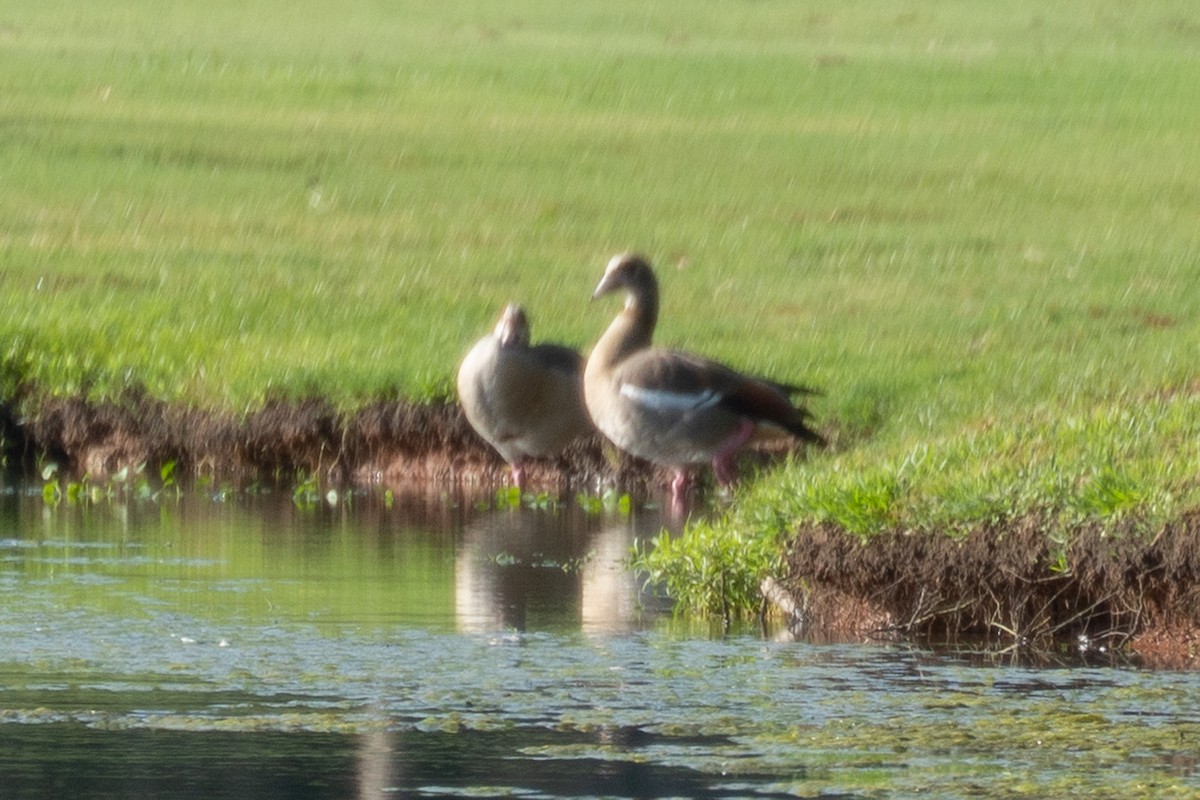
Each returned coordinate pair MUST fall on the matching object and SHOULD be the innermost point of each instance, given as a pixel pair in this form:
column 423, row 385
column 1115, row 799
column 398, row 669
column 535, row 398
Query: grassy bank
column 973, row 226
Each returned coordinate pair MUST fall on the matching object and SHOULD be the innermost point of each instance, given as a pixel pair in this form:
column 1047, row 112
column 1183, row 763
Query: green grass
column 972, row 224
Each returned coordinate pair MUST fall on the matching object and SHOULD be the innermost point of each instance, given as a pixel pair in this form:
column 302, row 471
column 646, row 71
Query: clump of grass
column 710, row 570
column 1102, row 464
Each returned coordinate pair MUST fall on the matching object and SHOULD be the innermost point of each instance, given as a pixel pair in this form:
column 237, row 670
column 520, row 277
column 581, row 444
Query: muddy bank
column 382, row 442
column 386, row 441
column 1010, row 584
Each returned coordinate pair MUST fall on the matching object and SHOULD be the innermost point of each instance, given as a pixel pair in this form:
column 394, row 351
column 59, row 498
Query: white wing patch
column 664, row 400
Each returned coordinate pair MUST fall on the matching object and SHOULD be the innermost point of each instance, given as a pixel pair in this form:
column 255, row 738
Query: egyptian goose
column 672, row 408
column 525, row 401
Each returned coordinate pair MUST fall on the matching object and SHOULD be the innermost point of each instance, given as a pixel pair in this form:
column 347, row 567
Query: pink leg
column 681, row 483
column 724, row 466
column 679, row 489
column 518, row 475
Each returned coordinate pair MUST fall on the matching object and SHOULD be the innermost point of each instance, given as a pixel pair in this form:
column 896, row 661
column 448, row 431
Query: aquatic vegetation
column 124, row 485
column 609, row 500
column 307, row 492
column 511, row 497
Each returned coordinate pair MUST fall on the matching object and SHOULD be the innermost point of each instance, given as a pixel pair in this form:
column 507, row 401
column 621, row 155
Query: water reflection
column 376, row 769
column 521, row 569
column 610, row 600
column 446, row 562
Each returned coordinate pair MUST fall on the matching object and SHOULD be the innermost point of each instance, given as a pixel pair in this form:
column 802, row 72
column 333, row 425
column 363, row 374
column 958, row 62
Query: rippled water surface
column 437, row 646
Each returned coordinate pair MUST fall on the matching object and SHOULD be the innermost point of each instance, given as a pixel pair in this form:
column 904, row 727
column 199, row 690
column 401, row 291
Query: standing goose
column 525, row 401
column 672, row 408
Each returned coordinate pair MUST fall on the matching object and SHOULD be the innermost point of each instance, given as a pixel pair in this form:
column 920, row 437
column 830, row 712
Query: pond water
column 439, row 646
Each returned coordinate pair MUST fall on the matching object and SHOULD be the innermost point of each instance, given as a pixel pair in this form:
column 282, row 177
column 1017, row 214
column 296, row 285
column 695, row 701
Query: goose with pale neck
column 670, row 407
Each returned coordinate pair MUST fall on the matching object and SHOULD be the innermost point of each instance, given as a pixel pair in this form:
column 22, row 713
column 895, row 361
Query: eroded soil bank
column 1009, row 582
column 386, row 441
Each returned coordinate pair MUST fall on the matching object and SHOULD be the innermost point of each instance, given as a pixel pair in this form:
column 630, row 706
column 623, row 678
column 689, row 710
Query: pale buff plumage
column 525, row 400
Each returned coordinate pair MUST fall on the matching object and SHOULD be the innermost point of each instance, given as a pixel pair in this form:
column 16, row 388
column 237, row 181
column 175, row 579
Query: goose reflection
column 525, row 569
column 378, row 770
column 609, row 601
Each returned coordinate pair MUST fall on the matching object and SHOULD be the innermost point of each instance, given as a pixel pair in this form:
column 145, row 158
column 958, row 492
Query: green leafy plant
column 307, row 493
column 123, row 485
column 166, row 476
column 610, row 500
column 508, row 497
column 709, row 570
column 51, row 493
column 542, row 501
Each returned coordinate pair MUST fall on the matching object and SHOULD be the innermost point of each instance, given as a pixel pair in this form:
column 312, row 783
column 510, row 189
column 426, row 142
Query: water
column 255, row 649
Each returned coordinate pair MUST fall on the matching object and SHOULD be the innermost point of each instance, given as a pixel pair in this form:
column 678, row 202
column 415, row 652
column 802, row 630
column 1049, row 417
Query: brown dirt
column 384, row 441
column 1008, row 584
column 392, row 442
